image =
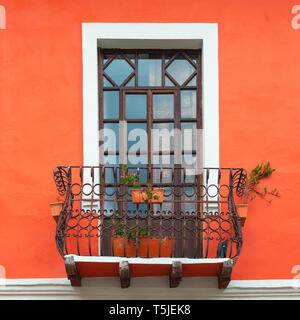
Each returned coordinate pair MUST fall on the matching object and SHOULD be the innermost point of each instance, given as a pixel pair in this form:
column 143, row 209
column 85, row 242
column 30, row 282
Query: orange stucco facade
column 41, row 118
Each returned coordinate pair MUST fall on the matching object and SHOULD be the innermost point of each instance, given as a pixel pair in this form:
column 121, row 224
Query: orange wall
column 41, row 118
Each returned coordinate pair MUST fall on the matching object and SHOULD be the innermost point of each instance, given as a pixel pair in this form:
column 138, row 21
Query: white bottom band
column 146, row 288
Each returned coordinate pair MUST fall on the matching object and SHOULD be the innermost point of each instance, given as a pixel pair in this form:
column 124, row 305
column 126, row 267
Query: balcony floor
column 90, row 266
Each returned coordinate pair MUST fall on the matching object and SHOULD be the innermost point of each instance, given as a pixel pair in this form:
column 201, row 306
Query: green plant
column 261, row 171
column 130, row 178
column 149, row 191
column 132, row 233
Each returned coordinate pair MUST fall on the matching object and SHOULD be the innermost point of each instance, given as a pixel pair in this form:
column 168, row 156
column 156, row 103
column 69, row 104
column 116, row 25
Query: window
column 187, row 36
column 151, row 36
column 145, row 97
column 154, row 93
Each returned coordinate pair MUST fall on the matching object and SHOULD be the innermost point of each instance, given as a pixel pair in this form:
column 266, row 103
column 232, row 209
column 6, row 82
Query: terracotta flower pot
column 130, row 246
column 117, row 247
column 165, row 247
column 56, row 209
column 242, row 210
column 138, row 196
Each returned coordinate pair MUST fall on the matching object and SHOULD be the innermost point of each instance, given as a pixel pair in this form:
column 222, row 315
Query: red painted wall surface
column 41, row 118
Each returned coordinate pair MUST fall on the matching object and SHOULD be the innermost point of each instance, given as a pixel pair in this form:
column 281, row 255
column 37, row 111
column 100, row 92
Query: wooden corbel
column 175, row 274
column 224, row 275
column 124, row 274
column 72, row 272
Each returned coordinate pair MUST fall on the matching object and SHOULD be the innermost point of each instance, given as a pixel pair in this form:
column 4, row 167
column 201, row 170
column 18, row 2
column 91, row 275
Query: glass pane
column 164, row 160
column 188, row 176
column 193, row 82
column 163, row 106
column 118, row 70
column 111, row 136
column 163, row 140
column 111, row 161
column 110, row 197
column 137, row 137
column 136, row 106
column 109, row 169
column 189, row 195
column 107, row 56
column 168, row 82
column 131, row 82
column 180, row 69
column 163, row 175
column 149, row 69
column 132, row 167
column 109, row 174
column 189, row 162
column 111, row 104
column 131, row 57
column 189, row 136
column 106, row 83
column 188, row 103
column 137, row 159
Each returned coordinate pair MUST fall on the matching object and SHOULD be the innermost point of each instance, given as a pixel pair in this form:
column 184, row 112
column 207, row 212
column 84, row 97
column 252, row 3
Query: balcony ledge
column 125, row 268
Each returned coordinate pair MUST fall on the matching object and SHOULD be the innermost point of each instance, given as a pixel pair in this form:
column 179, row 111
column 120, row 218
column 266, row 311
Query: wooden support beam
column 224, row 275
column 124, row 274
column 175, row 274
column 72, row 272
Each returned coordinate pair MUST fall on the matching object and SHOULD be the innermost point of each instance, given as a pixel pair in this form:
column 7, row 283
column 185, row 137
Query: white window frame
column 158, row 36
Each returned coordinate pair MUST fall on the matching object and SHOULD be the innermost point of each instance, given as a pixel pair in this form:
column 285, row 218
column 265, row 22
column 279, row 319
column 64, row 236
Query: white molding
column 150, row 261
column 143, row 288
column 186, row 35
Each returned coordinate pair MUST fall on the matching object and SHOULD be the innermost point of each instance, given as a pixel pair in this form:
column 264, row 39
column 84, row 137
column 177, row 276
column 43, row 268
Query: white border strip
column 205, row 33
column 155, row 288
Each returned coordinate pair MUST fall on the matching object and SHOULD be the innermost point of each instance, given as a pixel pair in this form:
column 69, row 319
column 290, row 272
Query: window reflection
column 180, row 69
column 149, row 69
column 136, row 106
column 163, row 106
column 118, row 70
column 111, row 136
column 137, row 139
column 163, row 140
column 189, row 135
column 111, row 104
column 188, row 103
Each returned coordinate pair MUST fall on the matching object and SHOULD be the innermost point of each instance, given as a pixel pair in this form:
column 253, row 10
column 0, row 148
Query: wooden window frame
column 150, row 90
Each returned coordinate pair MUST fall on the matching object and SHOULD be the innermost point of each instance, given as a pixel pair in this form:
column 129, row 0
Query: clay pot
column 130, row 246
column 56, row 209
column 242, row 210
column 138, row 196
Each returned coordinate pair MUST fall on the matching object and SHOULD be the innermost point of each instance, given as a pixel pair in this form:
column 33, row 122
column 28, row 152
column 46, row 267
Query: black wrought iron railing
column 197, row 218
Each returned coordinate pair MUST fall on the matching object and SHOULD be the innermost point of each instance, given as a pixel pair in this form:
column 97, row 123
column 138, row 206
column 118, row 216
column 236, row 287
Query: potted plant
column 56, row 208
column 145, row 195
column 261, row 171
column 133, row 241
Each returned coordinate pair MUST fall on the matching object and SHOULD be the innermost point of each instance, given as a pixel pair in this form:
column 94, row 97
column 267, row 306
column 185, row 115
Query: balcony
column 195, row 231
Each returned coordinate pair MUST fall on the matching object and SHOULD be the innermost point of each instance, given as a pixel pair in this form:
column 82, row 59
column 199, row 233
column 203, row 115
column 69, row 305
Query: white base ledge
column 154, row 288
column 165, row 261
